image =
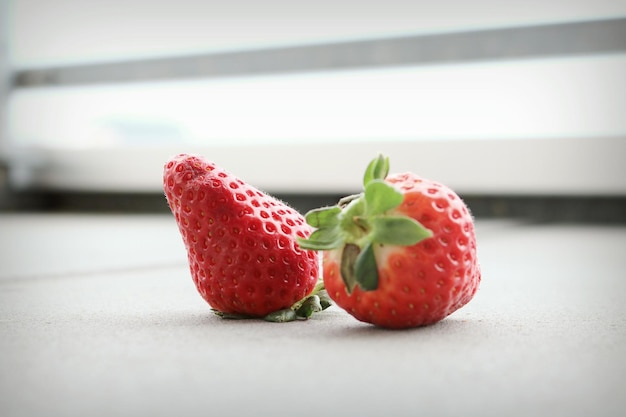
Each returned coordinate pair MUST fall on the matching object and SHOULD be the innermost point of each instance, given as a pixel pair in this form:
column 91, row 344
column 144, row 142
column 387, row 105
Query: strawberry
column 400, row 254
column 241, row 243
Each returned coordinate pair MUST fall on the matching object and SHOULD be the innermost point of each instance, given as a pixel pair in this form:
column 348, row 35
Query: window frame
column 588, row 165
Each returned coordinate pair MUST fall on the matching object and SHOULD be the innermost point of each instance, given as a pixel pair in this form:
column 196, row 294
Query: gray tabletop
column 99, row 317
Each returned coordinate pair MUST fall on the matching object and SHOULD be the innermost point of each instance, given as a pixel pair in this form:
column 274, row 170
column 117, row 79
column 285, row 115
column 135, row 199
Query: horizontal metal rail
column 560, row 39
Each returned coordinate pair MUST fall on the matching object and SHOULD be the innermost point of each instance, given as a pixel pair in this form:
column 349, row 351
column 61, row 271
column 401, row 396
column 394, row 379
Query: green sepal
column 325, row 300
column 323, row 217
column 381, row 197
column 232, row 316
column 328, row 233
column 365, row 269
column 377, row 169
column 322, row 239
column 398, row 230
column 316, row 301
column 281, row 316
column 311, row 305
column 348, row 260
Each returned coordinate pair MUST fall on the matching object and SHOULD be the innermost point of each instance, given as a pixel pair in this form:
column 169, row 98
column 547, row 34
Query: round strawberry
column 241, row 242
column 401, row 254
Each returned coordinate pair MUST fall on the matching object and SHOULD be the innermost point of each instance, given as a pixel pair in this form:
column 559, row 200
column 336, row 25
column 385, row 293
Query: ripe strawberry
column 241, row 243
column 401, row 254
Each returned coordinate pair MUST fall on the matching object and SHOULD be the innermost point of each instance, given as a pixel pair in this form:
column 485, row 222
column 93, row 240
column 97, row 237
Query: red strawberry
column 401, row 254
column 241, row 243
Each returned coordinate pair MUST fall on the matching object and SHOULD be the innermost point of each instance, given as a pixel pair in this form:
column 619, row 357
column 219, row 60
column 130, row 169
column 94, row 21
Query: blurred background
column 519, row 105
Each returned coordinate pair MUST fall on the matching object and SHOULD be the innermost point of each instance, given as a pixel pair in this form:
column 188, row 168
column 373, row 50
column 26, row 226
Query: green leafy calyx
column 360, row 223
column 318, row 300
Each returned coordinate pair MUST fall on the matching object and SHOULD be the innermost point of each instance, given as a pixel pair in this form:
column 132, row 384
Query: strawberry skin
column 241, row 243
column 423, row 283
column 401, row 254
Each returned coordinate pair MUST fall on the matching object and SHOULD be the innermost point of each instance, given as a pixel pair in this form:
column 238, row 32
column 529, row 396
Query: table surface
column 99, row 317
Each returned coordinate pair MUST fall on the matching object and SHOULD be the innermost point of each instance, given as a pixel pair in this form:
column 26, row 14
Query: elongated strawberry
column 400, row 254
column 241, row 242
